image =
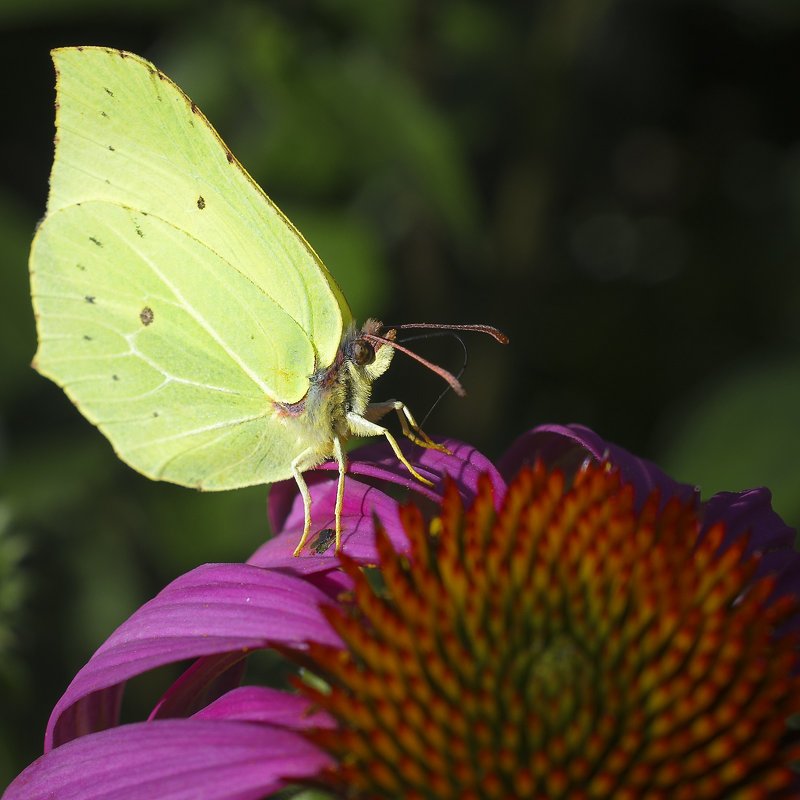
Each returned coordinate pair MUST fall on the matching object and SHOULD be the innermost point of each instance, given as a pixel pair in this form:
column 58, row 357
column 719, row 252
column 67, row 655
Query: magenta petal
column 262, row 704
column 379, row 465
column 204, row 681
column 463, row 464
column 751, row 512
column 361, row 504
column 216, row 608
column 377, row 461
column 283, row 496
column 171, row 760
column 568, row 447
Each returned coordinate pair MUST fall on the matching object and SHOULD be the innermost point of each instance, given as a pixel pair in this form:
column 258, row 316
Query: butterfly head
column 369, row 349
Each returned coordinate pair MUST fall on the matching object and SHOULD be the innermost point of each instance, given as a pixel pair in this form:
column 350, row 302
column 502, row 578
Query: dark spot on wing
column 89, row 299
column 87, row 337
column 81, row 267
column 229, row 156
column 146, row 316
column 194, row 107
column 201, row 203
column 155, row 413
column 95, row 241
column 139, row 231
column 160, row 74
column 111, row 148
column 108, row 91
column 115, row 377
column 103, row 114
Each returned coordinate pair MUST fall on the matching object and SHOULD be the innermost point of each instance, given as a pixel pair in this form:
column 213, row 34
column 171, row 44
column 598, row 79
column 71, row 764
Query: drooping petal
column 205, row 680
column 171, row 760
column 216, row 608
column 271, row 706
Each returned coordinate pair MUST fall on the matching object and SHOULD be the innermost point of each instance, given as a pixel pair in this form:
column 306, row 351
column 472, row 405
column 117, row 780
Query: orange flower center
column 564, row 646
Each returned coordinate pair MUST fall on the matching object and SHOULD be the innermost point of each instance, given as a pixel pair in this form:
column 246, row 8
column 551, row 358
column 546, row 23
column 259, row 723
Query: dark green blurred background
column 615, row 184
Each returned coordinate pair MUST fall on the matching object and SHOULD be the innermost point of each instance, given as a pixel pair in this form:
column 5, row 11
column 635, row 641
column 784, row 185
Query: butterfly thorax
column 342, row 388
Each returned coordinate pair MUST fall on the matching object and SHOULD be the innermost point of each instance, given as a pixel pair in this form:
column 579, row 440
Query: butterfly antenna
column 435, row 368
column 489, row 330
column 441, row 330
column 458, row 374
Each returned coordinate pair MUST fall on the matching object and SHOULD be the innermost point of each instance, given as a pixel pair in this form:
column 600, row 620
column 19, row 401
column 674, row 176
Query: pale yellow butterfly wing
column 175, row 303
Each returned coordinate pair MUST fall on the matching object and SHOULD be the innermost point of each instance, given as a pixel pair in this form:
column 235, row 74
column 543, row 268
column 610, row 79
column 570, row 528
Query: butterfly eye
column 363, row 353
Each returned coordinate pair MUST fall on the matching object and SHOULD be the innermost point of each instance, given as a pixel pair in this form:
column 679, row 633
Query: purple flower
column 568, row 619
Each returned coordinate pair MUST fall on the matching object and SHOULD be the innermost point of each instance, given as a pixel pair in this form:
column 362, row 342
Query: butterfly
column 180, row 310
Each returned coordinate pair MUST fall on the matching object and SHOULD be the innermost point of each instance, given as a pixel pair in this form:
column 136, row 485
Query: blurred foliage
column 13, row 587
column 615, row 184
column 731, row 432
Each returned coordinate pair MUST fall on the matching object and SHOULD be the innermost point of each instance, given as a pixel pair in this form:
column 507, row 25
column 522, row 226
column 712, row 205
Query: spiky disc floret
column 565, row 646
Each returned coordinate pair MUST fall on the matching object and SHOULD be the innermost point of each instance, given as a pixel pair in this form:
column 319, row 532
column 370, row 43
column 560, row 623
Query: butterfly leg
column 362, row 426
column 341, row 460
column 410, row 427
column 306, row 460
column 297, row 472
